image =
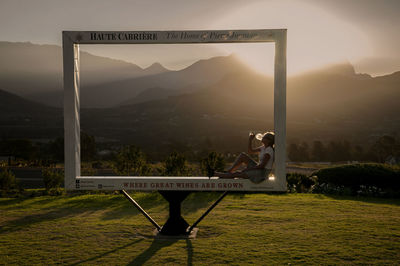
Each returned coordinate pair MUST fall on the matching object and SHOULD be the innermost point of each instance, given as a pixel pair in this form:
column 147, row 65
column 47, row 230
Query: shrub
column 299, row 183
column 52, row 178
column 97, row 165
column 360, row 178
column 175, row 165
column 131, row 161
column 7, row 180
column 325, row 188
column 213, row 162
column 88, row 171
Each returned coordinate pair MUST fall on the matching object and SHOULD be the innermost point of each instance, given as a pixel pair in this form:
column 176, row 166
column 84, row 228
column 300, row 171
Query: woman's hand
column 251, row 136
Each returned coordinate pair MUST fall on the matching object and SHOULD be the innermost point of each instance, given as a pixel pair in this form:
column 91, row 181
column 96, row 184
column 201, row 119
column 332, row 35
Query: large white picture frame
column 73, row 178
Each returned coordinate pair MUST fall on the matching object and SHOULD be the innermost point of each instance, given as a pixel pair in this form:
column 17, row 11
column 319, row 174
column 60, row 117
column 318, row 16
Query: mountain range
column 35, row 72
column 218, row 99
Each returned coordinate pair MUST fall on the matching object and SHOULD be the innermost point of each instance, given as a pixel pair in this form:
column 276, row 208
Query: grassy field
column 244, row 229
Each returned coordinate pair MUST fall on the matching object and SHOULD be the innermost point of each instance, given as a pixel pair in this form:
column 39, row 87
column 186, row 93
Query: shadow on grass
column 108, row 252
column 189, row 248
column 199, row 200
column 9, row 201
column 390, row 201
column 66, row 206
column 30, row 201
column 145, row 200
column 116, row 207
column 158, row 244
column 194, row 202
column 31, row 219
column 191, row 204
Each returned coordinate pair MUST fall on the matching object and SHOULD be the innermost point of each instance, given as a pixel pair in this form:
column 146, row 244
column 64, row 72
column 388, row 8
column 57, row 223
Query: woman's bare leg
column 242, row 158
column 232, row 175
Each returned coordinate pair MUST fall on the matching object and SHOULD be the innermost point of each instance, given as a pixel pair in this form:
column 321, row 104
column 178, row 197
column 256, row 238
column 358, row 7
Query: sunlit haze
column 361, row 32
column 315, row 37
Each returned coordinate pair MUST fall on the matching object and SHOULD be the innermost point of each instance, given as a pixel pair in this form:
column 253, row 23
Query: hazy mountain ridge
column 35, row 72
column 151, row 94
column 205, row 75
column 14, row 104
column 342, row 93
column 222, row 98
column 200, row 74
column 21, row 118
column 155, row 68
column 30, row 69
column 356, row 109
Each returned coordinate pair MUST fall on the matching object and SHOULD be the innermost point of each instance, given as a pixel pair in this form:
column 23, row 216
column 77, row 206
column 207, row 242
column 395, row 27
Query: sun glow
column 315, row 37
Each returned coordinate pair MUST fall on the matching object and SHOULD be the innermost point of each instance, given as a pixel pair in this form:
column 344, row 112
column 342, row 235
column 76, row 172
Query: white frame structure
column 73, row 178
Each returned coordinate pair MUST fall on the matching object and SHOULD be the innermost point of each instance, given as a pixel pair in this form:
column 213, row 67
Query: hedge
column 358, row 177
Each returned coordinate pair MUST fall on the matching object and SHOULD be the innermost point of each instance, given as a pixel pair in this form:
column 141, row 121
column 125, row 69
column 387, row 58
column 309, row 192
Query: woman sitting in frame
column 256, row 172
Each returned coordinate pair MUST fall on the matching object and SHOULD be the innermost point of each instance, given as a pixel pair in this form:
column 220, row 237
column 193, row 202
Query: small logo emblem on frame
column 79, row 37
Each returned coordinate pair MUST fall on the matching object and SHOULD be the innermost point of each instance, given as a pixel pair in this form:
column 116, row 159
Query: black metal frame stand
column 141, row 209
column 207, row 212
column 175, row 225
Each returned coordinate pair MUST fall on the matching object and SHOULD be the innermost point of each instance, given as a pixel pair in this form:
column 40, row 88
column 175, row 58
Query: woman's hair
column 270, row 136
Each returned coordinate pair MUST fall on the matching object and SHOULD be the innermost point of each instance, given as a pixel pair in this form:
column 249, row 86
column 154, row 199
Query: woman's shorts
column 256, row 175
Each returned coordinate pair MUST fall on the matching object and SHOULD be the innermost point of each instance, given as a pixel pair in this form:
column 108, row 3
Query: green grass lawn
column 244, row 229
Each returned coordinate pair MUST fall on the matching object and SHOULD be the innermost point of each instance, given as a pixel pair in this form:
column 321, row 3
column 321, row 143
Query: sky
column 320, row 32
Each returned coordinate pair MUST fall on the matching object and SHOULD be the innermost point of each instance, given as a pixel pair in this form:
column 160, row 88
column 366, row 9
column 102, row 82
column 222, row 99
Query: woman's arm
column 250, row 149
column 264, row 160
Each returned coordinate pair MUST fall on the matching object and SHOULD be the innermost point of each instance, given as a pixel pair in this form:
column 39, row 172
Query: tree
column 57, row 149
column 213, row 162
column 338, row 151
column 131, row 161
column 52, row 178
column 298, row 153
column 358, row 153
column 303, row 152
column 7, row 180
column 384, row 147
column 318, row 152
column 334, row 151
column 346, row 151
column 293, row 152
column 88, row 147
column 19, row 148
column 175, row 165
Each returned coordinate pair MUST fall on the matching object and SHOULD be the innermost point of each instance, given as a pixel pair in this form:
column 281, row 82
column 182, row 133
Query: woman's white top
column 266, row 150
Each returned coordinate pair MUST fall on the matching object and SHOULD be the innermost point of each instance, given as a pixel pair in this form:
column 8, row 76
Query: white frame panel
column 71, row 41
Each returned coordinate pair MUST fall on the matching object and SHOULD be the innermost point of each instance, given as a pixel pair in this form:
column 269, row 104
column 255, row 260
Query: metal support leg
column 175, row 225
column 207, row 212
column 141, row 209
